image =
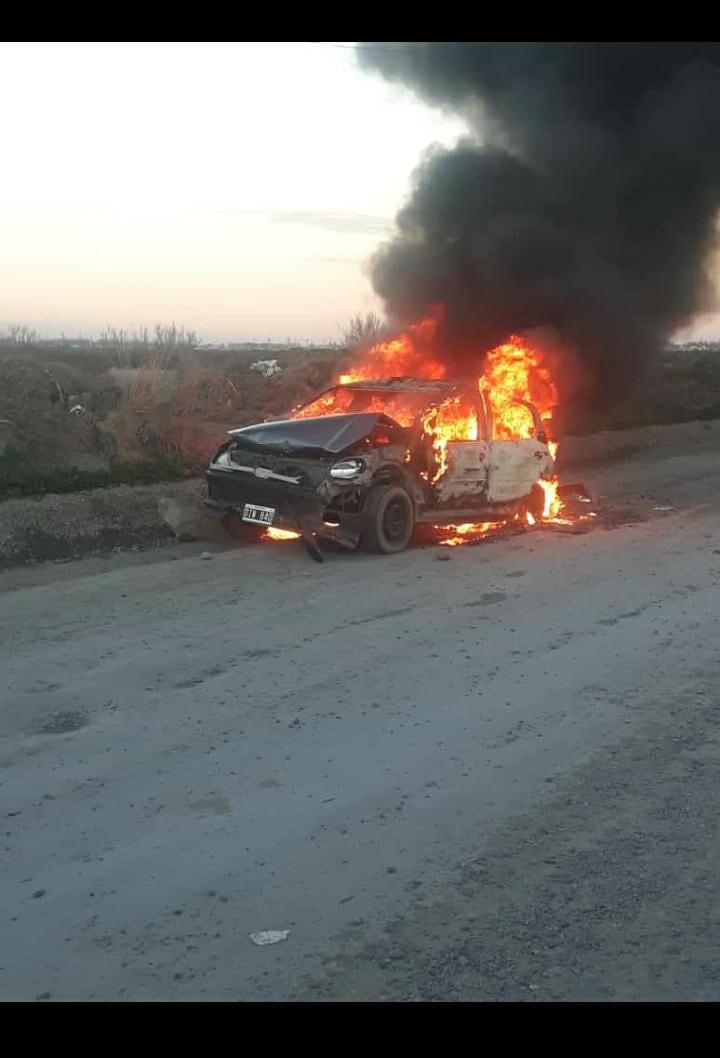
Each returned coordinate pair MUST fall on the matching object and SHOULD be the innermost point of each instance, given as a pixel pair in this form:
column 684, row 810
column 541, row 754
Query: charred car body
column 365, row 463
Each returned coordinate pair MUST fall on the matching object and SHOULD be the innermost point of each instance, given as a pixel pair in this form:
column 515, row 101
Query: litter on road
column 272, row 936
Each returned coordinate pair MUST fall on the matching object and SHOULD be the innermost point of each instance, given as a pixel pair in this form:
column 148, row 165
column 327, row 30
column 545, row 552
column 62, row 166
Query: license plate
column 261, row 515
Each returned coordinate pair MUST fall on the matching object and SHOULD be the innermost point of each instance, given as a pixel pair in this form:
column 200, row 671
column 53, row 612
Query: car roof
column 401, row 383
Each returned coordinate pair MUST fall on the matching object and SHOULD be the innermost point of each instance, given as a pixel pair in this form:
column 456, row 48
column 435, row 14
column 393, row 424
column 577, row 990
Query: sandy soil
column 493, row 776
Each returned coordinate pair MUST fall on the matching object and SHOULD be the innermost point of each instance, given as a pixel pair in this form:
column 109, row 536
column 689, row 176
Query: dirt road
column 491, row 776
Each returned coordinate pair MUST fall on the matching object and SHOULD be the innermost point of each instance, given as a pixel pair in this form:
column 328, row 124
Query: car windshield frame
column 417, row 399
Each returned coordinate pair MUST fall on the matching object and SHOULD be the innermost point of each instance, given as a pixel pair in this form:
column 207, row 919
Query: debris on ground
column 267, row 368
column 272, row 936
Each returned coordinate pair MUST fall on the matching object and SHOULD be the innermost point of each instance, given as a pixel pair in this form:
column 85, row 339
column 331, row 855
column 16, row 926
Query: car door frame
column 472, row 490
column 510, row 457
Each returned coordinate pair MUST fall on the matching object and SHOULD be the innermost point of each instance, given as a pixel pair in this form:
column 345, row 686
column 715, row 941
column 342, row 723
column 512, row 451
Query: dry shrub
column 202, row 391
column 363, row 332
column 134, row 423
column 186, row 411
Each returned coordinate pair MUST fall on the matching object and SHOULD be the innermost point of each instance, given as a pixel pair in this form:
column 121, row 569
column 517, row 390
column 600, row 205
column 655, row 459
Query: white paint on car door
column 466, row 478
column 514, row 467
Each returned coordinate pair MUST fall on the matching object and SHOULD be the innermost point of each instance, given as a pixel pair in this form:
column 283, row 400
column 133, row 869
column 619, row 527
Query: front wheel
column 388, row 519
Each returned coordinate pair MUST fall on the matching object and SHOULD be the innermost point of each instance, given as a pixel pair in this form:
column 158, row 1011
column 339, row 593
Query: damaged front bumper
column 230, row 490
column 301, row 510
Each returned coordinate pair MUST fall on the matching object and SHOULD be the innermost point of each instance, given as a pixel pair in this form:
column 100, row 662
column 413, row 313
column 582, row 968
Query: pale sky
column 235, row 188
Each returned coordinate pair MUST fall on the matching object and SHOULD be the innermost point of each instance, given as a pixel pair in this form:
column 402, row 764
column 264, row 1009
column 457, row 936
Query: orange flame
column 513, row 372
column 398, row 406
column 514, row 375
column 468, row 530
column 407, row 356
column 453, row 420
column 280, row 534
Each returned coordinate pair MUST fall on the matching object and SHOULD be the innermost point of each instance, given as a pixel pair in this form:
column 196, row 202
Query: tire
column 388, row 519
column 235, row 527
column 535, row 503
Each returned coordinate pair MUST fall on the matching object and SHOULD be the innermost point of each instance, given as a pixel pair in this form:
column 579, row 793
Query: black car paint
column 305, row 449
column 330, row 435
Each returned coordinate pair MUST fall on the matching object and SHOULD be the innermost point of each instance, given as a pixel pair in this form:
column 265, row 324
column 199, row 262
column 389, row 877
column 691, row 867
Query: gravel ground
column 493, row 777
column 62, row 527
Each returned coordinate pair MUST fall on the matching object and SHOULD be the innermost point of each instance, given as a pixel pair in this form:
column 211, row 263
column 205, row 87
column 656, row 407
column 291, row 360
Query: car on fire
column 367, row 462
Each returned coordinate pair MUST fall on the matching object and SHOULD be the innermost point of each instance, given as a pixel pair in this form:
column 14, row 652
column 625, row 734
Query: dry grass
column 150, row 397
column 185, row 411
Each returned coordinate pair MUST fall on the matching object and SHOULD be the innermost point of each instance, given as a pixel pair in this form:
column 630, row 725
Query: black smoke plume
column 585, row 199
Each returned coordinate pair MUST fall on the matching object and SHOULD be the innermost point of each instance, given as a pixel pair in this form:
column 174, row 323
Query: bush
column 362, row 332
column 22, row 476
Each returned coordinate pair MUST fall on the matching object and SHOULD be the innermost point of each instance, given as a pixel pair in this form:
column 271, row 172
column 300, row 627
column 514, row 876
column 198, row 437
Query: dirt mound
column 36, row 402
column 65, row 527
column 644, row 442
column 27, row 391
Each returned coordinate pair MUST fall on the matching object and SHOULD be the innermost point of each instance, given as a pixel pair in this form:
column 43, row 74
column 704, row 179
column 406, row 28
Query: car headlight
column 222, row 460
column 347, row 469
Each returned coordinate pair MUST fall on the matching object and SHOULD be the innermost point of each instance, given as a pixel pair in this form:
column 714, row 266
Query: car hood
column 326, row 435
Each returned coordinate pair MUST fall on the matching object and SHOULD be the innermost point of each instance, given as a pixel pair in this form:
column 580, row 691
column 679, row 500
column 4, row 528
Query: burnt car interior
column 400, row 399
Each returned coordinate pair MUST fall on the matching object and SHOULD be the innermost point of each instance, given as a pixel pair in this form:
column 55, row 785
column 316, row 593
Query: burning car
column 368, row 461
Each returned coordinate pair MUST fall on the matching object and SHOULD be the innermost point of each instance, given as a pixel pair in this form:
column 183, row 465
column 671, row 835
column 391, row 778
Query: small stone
column 206, row 555
column 38, row 893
